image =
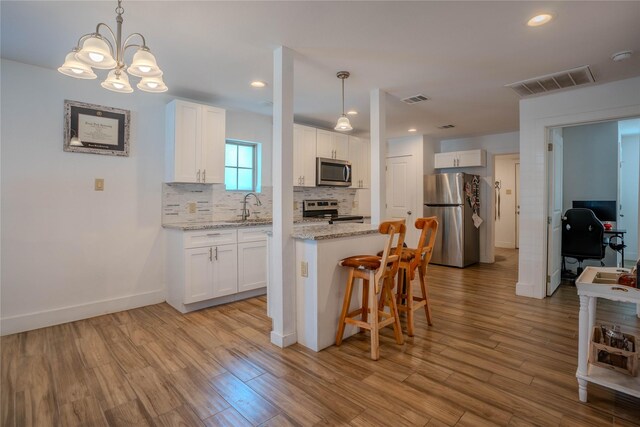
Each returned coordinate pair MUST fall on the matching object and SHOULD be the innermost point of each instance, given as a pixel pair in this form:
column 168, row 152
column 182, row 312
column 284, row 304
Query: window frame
column 254, row 166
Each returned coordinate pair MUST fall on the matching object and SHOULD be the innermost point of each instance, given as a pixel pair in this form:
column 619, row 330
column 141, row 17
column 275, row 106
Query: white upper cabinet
column 359, row 156
column 304, row 156
column 460, row 159
column 195, row 143
column 332, row 145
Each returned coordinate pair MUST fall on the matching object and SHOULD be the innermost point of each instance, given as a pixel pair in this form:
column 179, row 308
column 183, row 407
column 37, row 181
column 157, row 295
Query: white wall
column 505, row 224
column 630, row 182
column 70, row 252
column 589, row 104
column 590, row 163
column 246, row 126
column 502, row 143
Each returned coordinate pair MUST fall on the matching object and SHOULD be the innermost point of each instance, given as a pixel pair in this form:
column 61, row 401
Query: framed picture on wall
column 96, row 129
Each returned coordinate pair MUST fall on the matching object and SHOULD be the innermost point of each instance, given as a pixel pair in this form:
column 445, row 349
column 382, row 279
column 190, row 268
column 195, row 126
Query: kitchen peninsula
column 321, row 282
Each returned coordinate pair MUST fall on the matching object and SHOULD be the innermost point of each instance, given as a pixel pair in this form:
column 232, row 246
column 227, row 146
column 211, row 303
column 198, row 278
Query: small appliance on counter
column 445, row 197
column 333, row 172
column 327, row 208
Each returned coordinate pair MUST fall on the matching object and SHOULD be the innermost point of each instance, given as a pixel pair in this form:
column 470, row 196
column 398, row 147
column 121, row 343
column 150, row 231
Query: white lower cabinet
column 210, row 267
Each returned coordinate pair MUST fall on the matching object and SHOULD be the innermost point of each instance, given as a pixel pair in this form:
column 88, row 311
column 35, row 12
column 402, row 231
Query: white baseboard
column 283, row 341
column 187, row 308
column 526, row 290
column 505, row 245
column 41, row 319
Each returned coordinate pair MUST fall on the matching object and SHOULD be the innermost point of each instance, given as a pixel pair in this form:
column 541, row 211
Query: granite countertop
column 332, row 231
column 252, row 222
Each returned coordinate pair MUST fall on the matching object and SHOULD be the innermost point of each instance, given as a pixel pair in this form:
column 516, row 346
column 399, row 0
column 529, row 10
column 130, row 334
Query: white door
column 628, row 193
column 554, row 212
column 401, row 194
column 225, row 270
column 355, row 157
column 252, row 265
column 198, row 286
column 213, row 145
column 309, row 157
column 187, row 141
column 517, row 205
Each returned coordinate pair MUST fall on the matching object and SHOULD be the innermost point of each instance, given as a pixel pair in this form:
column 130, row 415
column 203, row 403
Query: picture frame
column 96, row 129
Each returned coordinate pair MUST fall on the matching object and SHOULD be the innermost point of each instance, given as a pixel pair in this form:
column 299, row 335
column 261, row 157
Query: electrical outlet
column 191, row 206
column 99, row 184
column 304, row 269
column 354, row 204
column 295, row 206
column 508, row 191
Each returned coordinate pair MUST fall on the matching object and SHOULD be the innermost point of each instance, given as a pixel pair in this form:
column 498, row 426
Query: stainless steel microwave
column 333, row 172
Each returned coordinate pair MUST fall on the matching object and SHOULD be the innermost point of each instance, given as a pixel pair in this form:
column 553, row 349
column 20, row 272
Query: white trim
column 56, row 316
column 283, row 341
column 526, row 290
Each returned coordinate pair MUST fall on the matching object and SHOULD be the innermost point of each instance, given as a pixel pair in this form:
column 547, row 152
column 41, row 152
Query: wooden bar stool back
column 412, row 260
column 377, row 274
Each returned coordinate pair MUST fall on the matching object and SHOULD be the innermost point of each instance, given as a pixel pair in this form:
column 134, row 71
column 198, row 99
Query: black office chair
column 582, row 236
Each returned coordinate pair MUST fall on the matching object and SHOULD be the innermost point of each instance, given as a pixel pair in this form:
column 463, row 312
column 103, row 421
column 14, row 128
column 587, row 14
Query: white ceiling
column 459, row 54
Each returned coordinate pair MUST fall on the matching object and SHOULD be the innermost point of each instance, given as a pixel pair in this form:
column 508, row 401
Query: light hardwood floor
column 490, row 358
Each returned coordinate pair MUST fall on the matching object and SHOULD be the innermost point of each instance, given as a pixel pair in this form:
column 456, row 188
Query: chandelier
column 96, row 51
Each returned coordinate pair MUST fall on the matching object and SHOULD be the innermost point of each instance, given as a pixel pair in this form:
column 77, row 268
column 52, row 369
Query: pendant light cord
column 342, row 96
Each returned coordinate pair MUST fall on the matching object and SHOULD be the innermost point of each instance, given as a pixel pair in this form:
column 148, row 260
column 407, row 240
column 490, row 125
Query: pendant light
column 343, row 124
column 94, row 50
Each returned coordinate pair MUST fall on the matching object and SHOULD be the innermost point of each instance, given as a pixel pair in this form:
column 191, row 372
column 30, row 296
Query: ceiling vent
column 550, row 82
column 414, row 99
column 446, row 126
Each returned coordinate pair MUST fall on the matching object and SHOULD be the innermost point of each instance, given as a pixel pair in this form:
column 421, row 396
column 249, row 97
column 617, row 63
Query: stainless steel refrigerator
column 458, row 240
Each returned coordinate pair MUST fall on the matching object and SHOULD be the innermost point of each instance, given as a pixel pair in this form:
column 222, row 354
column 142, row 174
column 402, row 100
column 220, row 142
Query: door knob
column 409, row 212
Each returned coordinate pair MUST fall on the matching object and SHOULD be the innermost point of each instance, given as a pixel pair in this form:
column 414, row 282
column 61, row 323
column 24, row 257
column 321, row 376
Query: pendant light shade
column 96, row 53
column 144, row 64
column 75, row 68
column 117, row 81
column 343, row 124
column 152, row 84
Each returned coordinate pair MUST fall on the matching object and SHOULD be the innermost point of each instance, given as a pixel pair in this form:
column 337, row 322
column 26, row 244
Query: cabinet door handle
column 302, row 179
column 204, row 175
column 216, row 253
column 210, row 254
column 198, row 176
column 213, row 234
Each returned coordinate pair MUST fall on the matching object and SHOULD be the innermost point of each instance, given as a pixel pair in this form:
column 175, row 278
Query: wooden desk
column 589, row 293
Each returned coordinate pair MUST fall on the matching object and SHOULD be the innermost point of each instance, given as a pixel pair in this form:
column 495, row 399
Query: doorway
column 506, row 209
column 599, row 164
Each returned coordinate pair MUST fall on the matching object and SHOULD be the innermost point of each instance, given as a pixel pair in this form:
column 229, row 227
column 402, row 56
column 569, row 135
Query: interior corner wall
column 590, row 163
column 593, row 103
column 502, row 143
column 69, row 252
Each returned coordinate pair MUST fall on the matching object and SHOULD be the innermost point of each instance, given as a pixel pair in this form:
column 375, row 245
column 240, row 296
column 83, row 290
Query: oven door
column 336, row 173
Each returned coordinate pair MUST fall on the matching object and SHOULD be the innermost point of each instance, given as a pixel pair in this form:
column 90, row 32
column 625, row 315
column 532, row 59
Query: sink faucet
column 245, row 209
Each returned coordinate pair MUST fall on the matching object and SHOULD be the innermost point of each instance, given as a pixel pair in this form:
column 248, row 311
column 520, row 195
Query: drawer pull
column 213, row 234
column 617, row 288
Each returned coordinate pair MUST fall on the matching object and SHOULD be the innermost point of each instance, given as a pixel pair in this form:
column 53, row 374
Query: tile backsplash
column 205, row 202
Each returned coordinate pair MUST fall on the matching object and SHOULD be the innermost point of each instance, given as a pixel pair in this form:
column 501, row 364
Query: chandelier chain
column 120, row 9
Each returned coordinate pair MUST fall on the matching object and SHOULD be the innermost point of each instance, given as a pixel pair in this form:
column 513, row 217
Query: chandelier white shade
column 94, row 50
column 76, row 68
column 117, row 81
column 152, row 84
column 343, row 124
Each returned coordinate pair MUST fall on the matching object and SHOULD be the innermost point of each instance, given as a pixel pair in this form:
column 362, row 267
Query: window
column 240, row 166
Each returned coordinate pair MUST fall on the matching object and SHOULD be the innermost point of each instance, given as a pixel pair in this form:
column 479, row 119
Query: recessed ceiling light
column 621, row 56
column 258, row 84
column 352, row 112
column 538, row 20
column 412, row 130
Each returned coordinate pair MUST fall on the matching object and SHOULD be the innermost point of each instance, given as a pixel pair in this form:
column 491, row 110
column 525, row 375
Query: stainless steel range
column 327, row 208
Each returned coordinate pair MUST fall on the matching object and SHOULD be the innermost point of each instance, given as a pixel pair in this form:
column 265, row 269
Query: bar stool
column 377, row 274
column 411, row 259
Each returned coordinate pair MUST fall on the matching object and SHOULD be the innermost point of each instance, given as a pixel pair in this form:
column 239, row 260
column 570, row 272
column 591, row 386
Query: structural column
column 378, row 155
column 282, row 293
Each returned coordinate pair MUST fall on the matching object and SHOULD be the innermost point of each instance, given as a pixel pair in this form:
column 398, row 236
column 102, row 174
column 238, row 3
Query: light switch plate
column 295, row 206
column 508, row 191
column 99, row 184
column 304, row 269
column 191, row 207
